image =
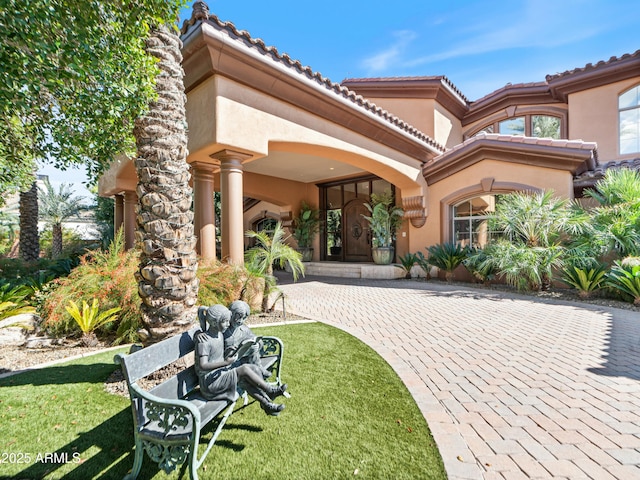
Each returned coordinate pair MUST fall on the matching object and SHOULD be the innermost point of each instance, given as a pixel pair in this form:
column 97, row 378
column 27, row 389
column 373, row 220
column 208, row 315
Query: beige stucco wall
column 467, row 184
column 426, row 115
column 247, row 120
column 447, row 127
column 414, row 111
column 593, row 116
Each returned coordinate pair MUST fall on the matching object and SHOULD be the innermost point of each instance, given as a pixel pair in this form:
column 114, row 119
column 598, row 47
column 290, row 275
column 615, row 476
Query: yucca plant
column 11, row 309
column 90, row 318
column 447, row 257
column 585, row 280
column 15, row 293
column 625, row 277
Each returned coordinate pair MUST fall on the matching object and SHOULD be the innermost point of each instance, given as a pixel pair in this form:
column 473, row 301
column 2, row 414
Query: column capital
column 228, row 156
column 203, row 171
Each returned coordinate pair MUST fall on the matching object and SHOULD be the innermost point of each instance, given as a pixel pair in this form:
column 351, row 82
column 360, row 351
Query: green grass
column 348, row 413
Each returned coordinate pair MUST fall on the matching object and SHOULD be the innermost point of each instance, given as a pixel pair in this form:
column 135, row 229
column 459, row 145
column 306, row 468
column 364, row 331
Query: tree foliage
column 75, row 75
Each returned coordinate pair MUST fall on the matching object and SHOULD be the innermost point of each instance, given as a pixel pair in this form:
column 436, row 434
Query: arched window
column 266, row 224
column 469, row 221
column 546, row 126
column 629, row 113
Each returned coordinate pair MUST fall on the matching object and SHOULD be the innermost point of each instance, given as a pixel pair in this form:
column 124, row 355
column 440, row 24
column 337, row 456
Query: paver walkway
column 511, row 386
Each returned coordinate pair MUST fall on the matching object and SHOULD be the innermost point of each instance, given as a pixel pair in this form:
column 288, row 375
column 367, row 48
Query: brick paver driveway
column 511, row 386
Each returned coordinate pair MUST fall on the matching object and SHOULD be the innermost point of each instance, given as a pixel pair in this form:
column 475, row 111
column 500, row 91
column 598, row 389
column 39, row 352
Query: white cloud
column 392, row 55
column 558, row 23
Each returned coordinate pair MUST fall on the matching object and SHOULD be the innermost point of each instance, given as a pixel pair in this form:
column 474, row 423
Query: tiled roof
column 441, row 78
column 590, row 66
column 519, row 139
column 590, row 177
column 201, row 13
column 508, row 88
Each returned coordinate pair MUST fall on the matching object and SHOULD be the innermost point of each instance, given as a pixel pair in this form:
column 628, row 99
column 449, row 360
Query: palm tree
column 614, row 228
column 270, row 250
column 167, row 280
column 55, row 208
column 29, row 237
column 532, row 227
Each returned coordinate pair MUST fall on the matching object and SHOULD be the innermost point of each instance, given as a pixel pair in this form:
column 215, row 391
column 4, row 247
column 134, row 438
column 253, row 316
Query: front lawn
column 349, row 415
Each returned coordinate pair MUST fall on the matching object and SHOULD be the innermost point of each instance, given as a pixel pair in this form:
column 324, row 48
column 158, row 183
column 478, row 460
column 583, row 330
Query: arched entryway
column 345, row 236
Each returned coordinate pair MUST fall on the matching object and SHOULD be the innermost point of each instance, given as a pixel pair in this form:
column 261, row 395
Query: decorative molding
column 414, row 210
column 487, row 183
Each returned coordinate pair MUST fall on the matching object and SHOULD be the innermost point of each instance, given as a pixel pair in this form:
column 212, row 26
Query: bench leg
column 137, row 461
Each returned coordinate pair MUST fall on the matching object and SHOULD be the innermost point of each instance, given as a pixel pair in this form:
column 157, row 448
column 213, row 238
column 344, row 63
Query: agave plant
column 625, row 277
column 447, row 257
column 585, row 279
column 90, row 318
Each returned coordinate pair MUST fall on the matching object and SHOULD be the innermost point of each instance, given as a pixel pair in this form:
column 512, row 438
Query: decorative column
column 231, row 190
column 204, row 212
column 129, row 219
column 118, row 212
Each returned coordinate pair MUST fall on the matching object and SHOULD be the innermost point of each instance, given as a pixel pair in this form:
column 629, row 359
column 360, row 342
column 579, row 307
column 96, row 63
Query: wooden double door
column 356, row 237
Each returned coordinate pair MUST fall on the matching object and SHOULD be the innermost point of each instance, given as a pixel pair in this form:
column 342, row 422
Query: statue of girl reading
column 217, row 375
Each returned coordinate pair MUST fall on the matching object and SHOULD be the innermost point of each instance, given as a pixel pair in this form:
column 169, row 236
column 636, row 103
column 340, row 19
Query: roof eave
column 212, row 47
column 574, row 159
column 591, row 76
column 506, row 97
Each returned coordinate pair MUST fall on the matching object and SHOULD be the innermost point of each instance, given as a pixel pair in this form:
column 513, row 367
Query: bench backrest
column 150, row 359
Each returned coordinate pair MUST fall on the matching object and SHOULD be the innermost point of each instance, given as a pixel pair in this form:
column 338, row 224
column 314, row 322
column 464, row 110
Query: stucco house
column 268, row 133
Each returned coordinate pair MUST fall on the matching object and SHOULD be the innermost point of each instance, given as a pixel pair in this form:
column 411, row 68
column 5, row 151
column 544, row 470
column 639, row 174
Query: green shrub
column 480, row 264
column 407, row 261
column 9, row 309
column 585, row 279
column 219, row 282
column 107, row 276
column 625, row 277
column 90, row 318
column 447, row 257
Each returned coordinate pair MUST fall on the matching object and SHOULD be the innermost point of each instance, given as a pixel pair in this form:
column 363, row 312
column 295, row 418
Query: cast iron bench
column 168, row 419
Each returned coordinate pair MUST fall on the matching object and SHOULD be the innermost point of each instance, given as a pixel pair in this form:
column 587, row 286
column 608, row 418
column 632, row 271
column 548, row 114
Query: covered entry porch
column 264, row 128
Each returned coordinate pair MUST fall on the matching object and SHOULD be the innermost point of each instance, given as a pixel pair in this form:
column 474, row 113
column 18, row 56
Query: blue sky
column 480, row 46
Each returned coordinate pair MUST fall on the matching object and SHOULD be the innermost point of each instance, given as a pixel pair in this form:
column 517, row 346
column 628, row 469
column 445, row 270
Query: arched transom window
column 546, row 126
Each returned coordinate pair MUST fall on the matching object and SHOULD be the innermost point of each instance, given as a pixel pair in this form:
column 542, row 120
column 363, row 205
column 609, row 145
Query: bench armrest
column 168, row 415
column 271, row 346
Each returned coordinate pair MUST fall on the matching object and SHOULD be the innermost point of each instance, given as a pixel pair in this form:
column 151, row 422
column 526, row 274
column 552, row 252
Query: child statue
column 238, row 333
column 217, row 374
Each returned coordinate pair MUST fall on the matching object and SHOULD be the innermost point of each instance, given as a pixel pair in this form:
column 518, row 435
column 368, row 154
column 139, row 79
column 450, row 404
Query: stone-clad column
column 129, row 219
column 203, row 208
column 231, row 190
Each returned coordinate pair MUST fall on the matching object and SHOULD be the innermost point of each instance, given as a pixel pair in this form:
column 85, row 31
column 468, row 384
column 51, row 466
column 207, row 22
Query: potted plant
column 305, row 228
column 384, row 220
column 334, row 231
